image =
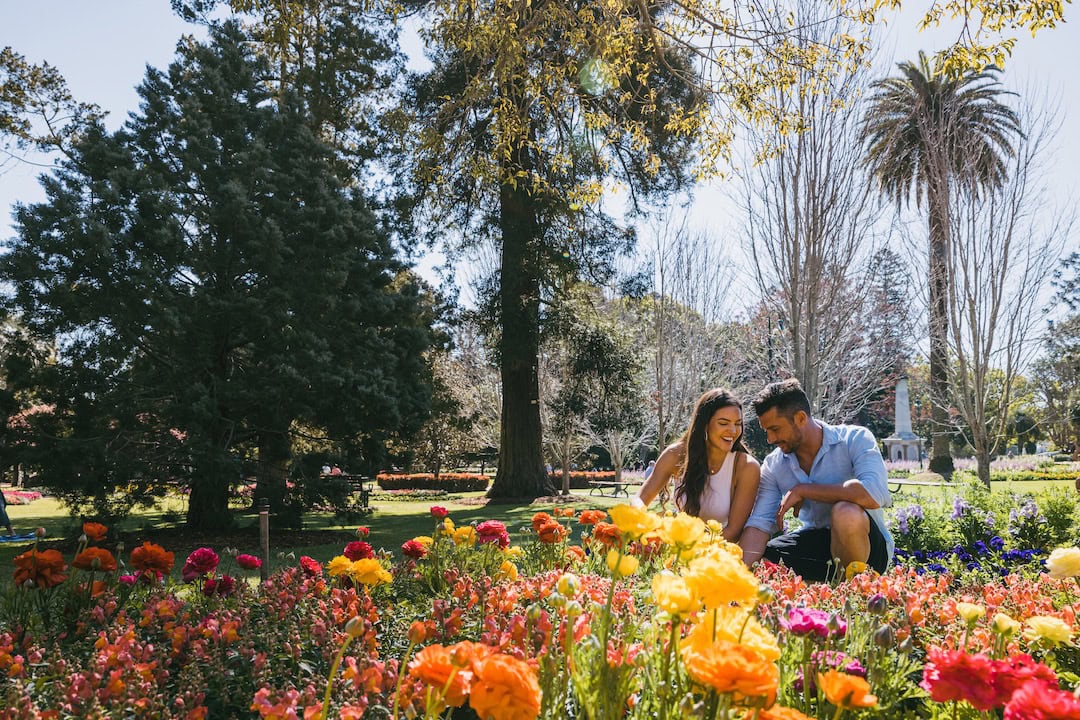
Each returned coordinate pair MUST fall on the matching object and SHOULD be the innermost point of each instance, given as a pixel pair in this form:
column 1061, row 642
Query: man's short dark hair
column 786, row 396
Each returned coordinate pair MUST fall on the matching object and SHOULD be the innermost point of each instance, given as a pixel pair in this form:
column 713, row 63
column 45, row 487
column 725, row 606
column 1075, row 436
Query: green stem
column 836, row 715
column 333, row 671
column 401, row 670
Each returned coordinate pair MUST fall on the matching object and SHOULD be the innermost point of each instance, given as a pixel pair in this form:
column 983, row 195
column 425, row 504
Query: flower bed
column 449, row 482
column 648, row 617
column 21, row 497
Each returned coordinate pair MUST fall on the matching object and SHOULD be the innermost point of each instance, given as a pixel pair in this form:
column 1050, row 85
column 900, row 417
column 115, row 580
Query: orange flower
column 606, row 534
column 551, row 533
column 576, row 553
column 95, row 559
column 777, row 712
column 731, row 668
column 505, row 688
column 153, row 558
column 45, row 568
column 591, row 517
column 94, row 532
column 540, row 519
column 846, row 691
column 434, row 666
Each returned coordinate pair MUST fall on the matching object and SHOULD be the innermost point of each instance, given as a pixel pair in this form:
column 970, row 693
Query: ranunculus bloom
column 719, row 578
column 846, row 691
column 575, row 553
column 551, row 532
column 505, row 688
column 1064, row 563
column 363, row 531
column 1053, row 630
column 673, row 595
column 465, row 535
column 413, row 549
column 248, row 562
column 728, row 667
column 633, row 522
column 44, row 568
column 1038, row 700
column 438, row 512
column 778, row 712
column 95, row 532
column 493, row 532
column 606, row 534
column 369, row 571
column 434, row 666
column 310, row 566
column 539, row 520
column 200, row 562
column 338, row 566
column 970, row 612
column 621, row 565
column 1014, row 672
column 683, row 530
column 735, row 625
column 150, row 557
column 508, row 571
column 358, row 550
column 591, row 517
column 806, row 621
column 93, row 558
column 954, row 675
column 127, row 579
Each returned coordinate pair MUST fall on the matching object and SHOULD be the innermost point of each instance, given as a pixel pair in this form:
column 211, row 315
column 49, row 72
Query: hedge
column 580, row 479
column 450, row 482
column 1027, row 475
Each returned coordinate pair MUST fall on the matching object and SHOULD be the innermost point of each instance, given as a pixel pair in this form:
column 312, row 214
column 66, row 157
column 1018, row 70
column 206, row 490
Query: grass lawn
column 322, row 536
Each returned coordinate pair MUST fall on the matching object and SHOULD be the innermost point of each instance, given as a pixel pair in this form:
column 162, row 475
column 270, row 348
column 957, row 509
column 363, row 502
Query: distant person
column 4, row 519
column 715, row 476
column 649, row 469
column 831, row 476
column 335, row 470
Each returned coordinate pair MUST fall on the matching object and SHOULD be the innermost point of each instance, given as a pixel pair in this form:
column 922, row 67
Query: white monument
column 903, row 444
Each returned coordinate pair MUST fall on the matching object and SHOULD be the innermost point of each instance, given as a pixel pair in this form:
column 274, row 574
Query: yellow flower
column 970, row 612
column 1004, row 625
column 465, row 535
column 568, row 585
column 1053, row 630
column 854, row 568
column 369, row 572
column 514, row 552
column 633, row 522
column 447, row 527
column 733, row 624
column 508, row 571
column 683, row 531
column 423, row 540
column 719, row 578
column 1064, row 563
column 621, row 565
column 673, row 595
column 338, row 566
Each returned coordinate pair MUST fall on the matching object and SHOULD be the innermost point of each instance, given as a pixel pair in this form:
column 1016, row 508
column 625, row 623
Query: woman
column 716, row 478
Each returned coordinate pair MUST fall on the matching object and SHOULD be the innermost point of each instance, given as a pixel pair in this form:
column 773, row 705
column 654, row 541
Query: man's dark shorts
column 808, row 552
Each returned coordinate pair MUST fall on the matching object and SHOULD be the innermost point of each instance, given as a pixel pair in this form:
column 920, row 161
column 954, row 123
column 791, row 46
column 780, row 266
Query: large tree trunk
column 941, row 457
column 982, row 460
column 273, row 469
column 521, row 462
column 208, row 503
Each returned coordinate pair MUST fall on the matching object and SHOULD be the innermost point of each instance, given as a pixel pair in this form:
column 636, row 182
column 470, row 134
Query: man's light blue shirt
column 847, row 452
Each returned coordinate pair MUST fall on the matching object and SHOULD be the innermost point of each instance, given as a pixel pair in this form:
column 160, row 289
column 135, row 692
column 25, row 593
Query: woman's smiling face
column 725, row 427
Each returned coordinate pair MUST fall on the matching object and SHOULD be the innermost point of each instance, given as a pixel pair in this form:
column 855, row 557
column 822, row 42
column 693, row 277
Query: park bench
column 610, row 487
column 898, row 484
column 359, row 487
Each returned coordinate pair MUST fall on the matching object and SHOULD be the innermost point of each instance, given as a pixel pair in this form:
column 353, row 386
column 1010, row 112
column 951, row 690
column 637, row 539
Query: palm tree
column 925, row 134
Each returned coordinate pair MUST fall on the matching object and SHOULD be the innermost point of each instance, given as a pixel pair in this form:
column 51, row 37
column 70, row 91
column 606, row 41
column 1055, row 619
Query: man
column 831, row 476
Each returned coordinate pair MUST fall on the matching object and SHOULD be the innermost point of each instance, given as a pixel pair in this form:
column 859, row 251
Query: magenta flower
column 358, row 550
column 806, row 621
column 248, row 562
column 200, row 562
column 493, row 531
column 413, row 549
column 438, row 512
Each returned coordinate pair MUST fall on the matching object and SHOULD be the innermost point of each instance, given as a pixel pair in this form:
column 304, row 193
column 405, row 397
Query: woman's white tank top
column 716, row 499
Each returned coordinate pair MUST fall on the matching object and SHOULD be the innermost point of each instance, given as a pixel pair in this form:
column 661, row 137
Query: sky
column 102, row 49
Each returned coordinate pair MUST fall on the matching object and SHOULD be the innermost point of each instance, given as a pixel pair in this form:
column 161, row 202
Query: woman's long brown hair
column 695, row 458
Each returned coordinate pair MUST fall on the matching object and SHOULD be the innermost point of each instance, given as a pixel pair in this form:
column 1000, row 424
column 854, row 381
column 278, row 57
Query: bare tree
column 1005, row 245
column 811, row 218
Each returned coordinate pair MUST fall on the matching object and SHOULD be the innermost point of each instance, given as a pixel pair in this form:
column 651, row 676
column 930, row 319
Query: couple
column 831, row 476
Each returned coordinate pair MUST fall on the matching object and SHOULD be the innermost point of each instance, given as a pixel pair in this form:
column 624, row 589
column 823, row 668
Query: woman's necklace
column 718, row 465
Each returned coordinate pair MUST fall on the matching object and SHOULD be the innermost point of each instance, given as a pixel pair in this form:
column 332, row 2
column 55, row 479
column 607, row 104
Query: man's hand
column 793, row 500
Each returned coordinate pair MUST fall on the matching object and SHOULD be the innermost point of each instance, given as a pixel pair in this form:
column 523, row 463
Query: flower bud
column 765, row 595
column 417, row 632
column 557, row 599
column 573, row 609
column 119, row 547
column 877, row 604
column 884, row 637
column 568, row 585
column 534, row 612
column 355, row 627
column 83, row 539
column 40, row 532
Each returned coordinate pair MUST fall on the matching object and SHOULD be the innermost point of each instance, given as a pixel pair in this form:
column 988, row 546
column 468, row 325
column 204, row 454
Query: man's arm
column 761, row 523
column 869, row 467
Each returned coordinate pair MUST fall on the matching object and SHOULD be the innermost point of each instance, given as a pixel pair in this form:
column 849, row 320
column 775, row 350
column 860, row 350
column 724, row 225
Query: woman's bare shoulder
column 750, row 461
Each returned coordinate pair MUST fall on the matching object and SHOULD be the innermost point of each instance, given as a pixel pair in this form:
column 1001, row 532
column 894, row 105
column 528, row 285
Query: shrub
column 580, row 479
column 449, row 482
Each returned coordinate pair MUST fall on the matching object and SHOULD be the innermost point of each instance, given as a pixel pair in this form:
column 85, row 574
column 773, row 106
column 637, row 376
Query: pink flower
column 493, row 531
column 248, row 562
column 310, row 566
column 1015, row 672
column 1038, row 700
column 805, row 621
column 438, row 512
column 358, row 550
column 413, row 549
column 363, row 531
column 200, row 562
column 954, row 675
column 224, row 585
column 127, row 579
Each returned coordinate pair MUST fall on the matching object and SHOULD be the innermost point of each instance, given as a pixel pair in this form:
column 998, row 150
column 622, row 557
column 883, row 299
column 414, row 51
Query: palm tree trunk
column 941, row 458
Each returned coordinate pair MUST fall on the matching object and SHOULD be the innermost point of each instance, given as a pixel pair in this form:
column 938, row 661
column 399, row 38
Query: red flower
column 224, row 585
column 310, row 566
column 493, row 531
column 94, row 532
column 954, row 675
column 45, row 568
column 438, row 512
column 363, row 531
column 358, row 550
column 606, row 534
column 1014, row 672
column 413, row 549
column 248, row 562
column 1038, row 700
column 200, row 562
column 95, row 559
